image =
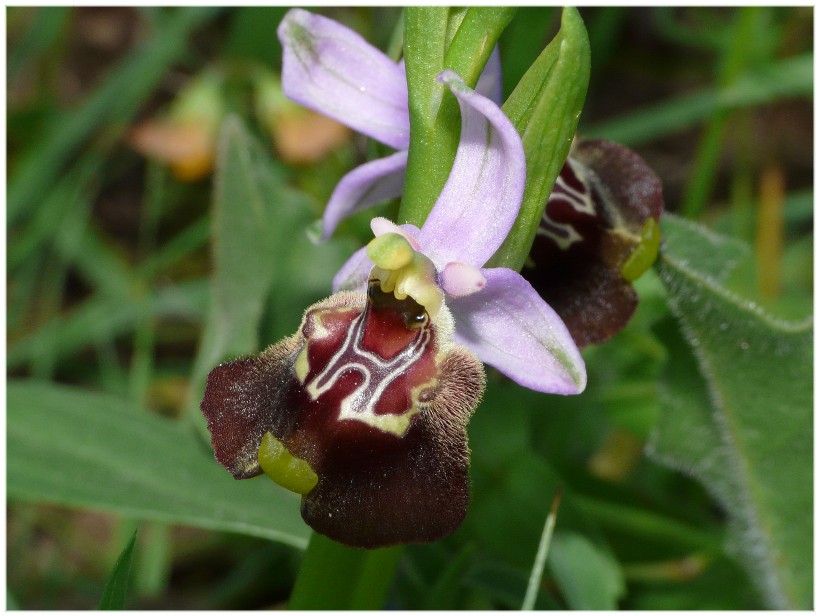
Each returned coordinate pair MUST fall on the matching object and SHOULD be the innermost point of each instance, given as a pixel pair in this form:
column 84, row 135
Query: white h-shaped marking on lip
column 563, row 233
column 378, row 375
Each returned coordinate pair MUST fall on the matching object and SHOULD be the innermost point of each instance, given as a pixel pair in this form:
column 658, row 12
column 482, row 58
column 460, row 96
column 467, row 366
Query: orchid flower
column 364, row 410
column 333, row 70
column 598, row 233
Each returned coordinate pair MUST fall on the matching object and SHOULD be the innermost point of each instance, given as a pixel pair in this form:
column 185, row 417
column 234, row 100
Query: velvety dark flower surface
column 373, row 397
column 598, row 232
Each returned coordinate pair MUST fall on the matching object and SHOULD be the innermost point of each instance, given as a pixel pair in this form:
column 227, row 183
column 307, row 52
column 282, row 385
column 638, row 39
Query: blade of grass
column 154, row 560
column 113, row 596
column 536, row 575
column 48, row 25
column 641, row 523
column 443, row 593
column 101, row 318
column 187, row 241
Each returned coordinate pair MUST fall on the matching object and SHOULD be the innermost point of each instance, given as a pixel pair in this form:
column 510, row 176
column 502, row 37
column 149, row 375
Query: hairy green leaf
column 72, row 447
column 737, row 416
column 700, row 249
column 116, row 587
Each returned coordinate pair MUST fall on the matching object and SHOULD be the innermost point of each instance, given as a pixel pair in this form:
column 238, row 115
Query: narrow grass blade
column 113, row 596
column 540, row 558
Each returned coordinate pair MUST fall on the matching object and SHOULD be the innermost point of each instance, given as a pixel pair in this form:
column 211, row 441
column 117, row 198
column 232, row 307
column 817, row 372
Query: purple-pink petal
column 366, row 185
column 331, row 69
column 481, row 199
column 508, row 326
column 490, row 83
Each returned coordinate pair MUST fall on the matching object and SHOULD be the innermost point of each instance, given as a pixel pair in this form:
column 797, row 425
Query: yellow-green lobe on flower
column 284, row 468
column 405, row 272
column 645, row 253
column 390, row 251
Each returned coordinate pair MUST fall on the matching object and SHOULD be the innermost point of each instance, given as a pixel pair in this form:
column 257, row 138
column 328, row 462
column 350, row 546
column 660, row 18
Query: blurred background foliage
column 113, row 289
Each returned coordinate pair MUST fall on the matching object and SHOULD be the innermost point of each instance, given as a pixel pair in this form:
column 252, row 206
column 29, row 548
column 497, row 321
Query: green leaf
column 242, row 246
column 588, row 577
column 48, row 26
column 78, row 448
column 545, row 109
column 711, row 254
column 113, row 596
column 737, row 416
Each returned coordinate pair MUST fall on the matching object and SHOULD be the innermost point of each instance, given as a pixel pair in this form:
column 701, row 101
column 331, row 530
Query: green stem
column 333, row 576
column 434, row 115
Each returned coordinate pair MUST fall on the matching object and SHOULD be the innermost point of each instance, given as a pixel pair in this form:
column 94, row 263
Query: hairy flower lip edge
column 245, row 400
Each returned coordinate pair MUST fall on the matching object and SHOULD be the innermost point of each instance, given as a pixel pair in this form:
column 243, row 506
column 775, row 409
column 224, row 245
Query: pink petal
column 481, row 198
column 366, row 185
column 331, row 69
column 508, row 326
column 490, row 83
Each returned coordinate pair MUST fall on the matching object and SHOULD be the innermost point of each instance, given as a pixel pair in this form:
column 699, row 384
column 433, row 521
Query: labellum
column 363, row 411
column 598, row 233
